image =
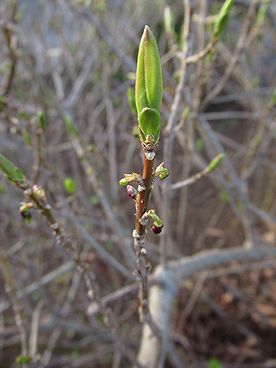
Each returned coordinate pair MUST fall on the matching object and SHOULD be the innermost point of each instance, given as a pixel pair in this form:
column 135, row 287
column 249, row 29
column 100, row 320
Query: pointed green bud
column 156, row 219
column 148, row 86
column 11, row 171
column 215, row 162
column 161, row 171
column 222, row 18
column 128, row 178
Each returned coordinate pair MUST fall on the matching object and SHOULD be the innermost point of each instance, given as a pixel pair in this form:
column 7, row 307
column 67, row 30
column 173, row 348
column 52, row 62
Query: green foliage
column 222, row 18
column 69, row 185
column 11, row 171
column 148, row 87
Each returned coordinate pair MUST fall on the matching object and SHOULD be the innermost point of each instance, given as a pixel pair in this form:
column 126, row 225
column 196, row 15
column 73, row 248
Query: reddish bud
column 156, row 229
column 131, row 191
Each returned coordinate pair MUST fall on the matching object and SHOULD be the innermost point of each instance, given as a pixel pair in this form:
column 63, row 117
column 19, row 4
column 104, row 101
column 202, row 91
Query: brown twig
column 139, row 237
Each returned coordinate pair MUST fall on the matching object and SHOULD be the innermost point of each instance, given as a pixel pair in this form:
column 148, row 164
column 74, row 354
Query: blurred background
column 75, row 61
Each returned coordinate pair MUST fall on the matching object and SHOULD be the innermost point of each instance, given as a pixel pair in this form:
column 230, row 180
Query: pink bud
column 156, row 229
column 131, row 191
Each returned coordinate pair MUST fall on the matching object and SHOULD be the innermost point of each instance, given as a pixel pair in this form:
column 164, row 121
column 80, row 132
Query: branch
column 167, row 281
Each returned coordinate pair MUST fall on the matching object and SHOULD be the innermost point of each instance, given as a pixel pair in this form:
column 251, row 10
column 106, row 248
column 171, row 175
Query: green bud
column 148, row 87
column 123, row 182
column 215, row 162
column 39, row 192
column 11, row 171
column 25, row 212
column 69, row 185
column 156, row 219
column 161, row 171
column 222, row 17
column 164, row 173
column 128, row 178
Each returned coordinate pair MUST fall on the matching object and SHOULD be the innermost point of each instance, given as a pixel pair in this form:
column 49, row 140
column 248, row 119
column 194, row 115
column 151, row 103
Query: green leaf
column 71, row 127
column 11, row 171
column 148, row 87
column 149, row 122
column 222, row 17
column 69, row 185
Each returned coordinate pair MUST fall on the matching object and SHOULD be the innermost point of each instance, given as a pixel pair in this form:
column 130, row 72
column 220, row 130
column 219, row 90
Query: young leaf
column 11, row 171
column 148, row 87
column 222, row 18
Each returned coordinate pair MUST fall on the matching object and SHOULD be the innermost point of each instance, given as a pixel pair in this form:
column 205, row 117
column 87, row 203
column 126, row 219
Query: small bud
column 69, row 185
column 25, row 211
column 128, row 178
column 162, row 172
column 215, row 162
column 144, row 219
column 141, row 188
column 156, row 229
column 123, row 182
column 39, row 192
column 131, row 191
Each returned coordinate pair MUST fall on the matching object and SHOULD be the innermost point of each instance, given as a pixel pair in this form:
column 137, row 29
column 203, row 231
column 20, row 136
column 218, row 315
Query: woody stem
column 139, row 240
